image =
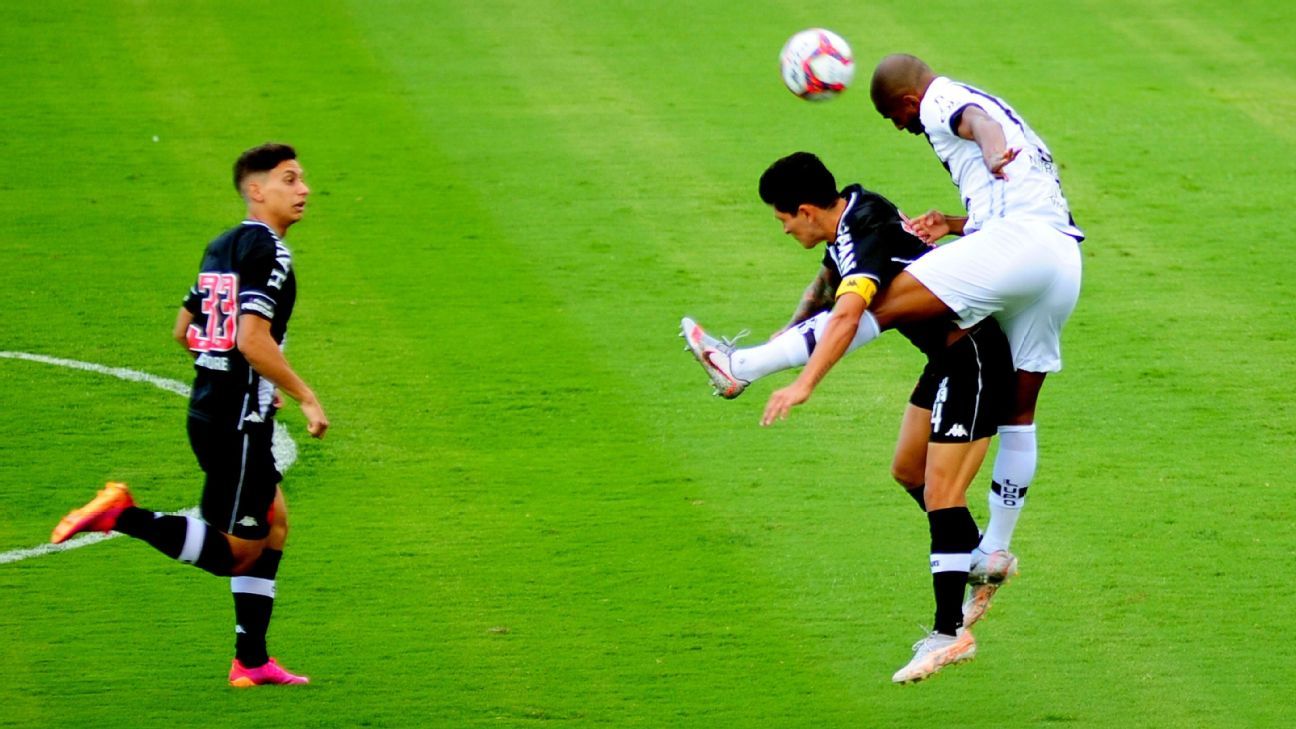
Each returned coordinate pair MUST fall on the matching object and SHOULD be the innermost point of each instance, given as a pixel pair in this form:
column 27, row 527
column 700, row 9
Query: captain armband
column 860, row 285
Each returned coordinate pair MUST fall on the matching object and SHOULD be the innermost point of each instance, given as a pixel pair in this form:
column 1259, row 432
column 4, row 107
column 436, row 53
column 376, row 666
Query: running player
column 959, row 400
column 233, row 322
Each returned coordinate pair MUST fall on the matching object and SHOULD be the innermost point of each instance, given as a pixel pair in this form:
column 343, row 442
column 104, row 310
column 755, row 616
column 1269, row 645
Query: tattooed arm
column 818, row 297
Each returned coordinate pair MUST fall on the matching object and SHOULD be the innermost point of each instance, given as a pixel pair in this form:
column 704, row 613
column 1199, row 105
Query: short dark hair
column 798, row 179
column 262, row 158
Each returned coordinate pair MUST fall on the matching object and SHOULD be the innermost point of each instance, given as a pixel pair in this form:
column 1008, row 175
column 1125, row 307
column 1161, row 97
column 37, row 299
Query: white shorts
column 1025, row 274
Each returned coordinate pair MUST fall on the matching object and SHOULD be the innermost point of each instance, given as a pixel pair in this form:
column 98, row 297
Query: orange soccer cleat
column 100, row 515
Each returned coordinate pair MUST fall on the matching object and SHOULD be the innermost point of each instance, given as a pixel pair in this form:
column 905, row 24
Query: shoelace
column 927, row 635
column 731, row 342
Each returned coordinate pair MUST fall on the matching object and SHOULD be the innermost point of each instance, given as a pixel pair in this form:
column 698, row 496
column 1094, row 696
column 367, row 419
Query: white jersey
column 1032, row 190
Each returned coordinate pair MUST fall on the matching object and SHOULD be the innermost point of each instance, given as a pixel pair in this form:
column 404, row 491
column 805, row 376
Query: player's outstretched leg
column 934, row 652
column 714, row 356
column 100, row 515
column 270, row 674
column 184, row 538
column 732, row 369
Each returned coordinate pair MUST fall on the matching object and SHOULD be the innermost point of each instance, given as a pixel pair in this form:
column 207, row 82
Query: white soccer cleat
column 989, row 572
column 934, row 652
column 714, row 356
column 996, row 567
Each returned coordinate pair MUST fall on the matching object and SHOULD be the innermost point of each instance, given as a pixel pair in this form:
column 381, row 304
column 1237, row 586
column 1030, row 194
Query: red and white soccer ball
column 817, row 64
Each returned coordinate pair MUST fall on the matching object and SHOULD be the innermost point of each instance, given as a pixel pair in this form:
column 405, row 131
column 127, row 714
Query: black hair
column 262, row 158
column 798, row 179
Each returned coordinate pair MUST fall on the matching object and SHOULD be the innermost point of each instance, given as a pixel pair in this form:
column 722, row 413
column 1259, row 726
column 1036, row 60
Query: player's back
column 245, row 270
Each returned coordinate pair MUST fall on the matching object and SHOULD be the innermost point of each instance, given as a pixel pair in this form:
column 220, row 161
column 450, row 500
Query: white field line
column 285, row 448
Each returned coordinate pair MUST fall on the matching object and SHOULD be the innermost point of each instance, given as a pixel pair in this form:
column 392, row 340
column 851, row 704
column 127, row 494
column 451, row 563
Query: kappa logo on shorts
column 247, row 521
column 956, row 431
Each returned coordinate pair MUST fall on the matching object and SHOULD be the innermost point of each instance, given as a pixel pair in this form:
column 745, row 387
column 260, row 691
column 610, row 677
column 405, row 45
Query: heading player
column 233, row 322
column 1018, row 260
column 955, row 408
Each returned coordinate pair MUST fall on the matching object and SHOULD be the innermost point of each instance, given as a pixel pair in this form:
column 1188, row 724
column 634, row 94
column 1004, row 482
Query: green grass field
column 529, row 511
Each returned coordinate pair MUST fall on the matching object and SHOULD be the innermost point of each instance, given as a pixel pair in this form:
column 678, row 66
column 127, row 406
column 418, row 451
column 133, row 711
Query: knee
column 278, row 536
column 243, row 560
column 937, row 500
column 907, row 476
column 278, row 530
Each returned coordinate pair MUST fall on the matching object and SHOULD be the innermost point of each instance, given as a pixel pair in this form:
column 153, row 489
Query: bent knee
column 907, row 477
column 243, row 562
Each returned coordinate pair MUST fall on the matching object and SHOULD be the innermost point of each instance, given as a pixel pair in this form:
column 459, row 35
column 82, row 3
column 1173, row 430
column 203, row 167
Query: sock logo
column 1009, row 493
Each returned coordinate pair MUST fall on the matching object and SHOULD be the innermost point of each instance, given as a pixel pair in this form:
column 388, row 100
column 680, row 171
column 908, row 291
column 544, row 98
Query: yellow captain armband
column 860, row 285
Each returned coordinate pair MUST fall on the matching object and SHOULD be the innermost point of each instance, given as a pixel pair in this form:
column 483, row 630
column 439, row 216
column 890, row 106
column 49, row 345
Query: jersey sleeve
column 942, row 109
column 830, row 263
column 862, row 256
column 262, row 266
column 193, row 301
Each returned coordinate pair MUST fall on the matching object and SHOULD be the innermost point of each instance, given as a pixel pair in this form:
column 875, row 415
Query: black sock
column 253, row 603
column 917, row 494
column 953, row 537
column 170, row 534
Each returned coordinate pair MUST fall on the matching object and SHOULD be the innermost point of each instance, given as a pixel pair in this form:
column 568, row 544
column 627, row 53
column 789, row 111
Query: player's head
column 273, row 184
column 800, row 189
column 798, row 179
column 899, row 82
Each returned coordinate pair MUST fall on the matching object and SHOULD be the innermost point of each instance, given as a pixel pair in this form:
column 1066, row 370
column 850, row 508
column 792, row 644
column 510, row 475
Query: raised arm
column 977, row 126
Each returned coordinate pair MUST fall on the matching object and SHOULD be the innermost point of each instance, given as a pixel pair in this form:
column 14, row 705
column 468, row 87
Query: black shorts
column 241, row 476
column 968, row 387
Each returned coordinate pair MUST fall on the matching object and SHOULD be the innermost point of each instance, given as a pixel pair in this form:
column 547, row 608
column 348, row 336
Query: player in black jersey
column 233, row 322
column 960, row 400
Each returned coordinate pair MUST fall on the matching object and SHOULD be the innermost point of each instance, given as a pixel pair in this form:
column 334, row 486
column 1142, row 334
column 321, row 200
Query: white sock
column 792, row 347
column 1014, row 468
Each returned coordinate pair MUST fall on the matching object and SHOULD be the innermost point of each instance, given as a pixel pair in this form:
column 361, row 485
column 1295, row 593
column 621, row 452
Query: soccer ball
column 817, row 64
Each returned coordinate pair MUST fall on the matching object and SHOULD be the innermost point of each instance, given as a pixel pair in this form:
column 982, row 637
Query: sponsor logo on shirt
column 209, row 362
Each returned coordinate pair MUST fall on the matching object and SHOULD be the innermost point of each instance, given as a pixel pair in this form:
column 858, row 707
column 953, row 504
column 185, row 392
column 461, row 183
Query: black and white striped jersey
column 246, row 270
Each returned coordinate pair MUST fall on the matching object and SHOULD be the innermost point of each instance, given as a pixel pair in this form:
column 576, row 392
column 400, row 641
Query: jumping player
column 955, row 408
column 1018, row 260
column 233, row 322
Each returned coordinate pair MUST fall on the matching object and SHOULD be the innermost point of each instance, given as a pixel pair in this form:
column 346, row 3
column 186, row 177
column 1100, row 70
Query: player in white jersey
column 1018, row 260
